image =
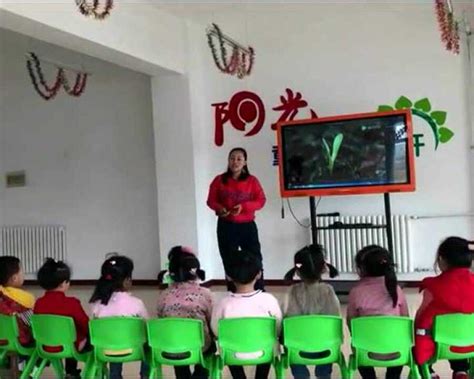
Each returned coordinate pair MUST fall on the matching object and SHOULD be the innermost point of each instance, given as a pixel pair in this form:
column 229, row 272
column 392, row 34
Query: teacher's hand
column 236, row 210
column 223, row 212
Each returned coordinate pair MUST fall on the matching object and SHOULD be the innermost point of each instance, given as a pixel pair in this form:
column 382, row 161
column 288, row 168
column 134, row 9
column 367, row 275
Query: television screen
column 364, row 153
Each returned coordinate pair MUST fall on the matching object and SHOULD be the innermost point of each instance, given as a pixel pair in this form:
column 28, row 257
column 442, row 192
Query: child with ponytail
column 377, row 293
column 311, row 297
column 185, row 298
column 111, row 297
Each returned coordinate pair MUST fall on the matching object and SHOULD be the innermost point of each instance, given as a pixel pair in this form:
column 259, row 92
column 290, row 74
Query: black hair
column 243, row 266
column 245, row 170
column 373, row 261
column 457, row 252
column 184, row 266
column 53, row 273
column 9, row 266
column 115, row 270
column 309, row 264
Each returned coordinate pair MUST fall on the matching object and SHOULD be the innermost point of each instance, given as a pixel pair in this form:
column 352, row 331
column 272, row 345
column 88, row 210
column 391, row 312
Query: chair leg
column 30, row 365
column 58, row 368
column 425, row 371
column 37, row 373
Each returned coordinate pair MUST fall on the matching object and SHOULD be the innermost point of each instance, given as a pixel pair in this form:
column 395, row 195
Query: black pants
column 232, row 236
column 261, row 372
column 392, row 372
column 184, row 372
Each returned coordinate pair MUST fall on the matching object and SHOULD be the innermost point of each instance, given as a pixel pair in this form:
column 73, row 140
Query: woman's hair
column 115, row 270
column 456, row 252
column 310, row 264
column 243, row 266
column 184, row 265
column 53, row 273
column 9, row 266
column 373, row 261
column 245, row 170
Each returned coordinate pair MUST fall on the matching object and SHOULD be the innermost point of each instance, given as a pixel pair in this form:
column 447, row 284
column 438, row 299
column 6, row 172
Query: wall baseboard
column 342, row 287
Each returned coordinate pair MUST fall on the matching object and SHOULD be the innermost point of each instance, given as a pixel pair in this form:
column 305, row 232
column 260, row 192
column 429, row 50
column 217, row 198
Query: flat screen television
column 349, row 154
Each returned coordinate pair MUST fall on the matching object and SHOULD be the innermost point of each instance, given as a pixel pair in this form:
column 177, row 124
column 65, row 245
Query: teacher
column 235, row 195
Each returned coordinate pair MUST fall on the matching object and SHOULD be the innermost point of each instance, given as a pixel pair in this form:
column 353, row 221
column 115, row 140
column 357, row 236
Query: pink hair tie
column 187, row 249
column 108, row 277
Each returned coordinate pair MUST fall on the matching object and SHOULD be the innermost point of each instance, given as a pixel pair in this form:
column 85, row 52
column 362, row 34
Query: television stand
column 336, row 225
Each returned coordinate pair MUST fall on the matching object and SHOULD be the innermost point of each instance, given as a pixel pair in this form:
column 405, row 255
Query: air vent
column 15, row 179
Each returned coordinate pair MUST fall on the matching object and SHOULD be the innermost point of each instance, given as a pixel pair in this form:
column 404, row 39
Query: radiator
column 342, row 244
column 32, row 244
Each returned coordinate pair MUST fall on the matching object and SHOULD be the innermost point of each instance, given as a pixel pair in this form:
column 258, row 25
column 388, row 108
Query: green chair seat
column 176, row 342
column 59, row 332
column 304, row 336
column 382, row 341
column 240, row 338
column 452, row 330
column 10, row 343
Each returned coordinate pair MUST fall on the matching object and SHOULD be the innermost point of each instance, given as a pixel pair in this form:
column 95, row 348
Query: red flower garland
column 49, row 92
column 87, row 9
column 448, row 26
column 238, row 64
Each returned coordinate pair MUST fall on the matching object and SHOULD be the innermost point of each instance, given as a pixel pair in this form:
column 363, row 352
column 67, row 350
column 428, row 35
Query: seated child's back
column 14, row 300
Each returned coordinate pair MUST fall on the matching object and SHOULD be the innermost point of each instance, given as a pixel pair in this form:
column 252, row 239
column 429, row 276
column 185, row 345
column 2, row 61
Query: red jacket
column 248, row 193
column 11, row 307
column 57, row 303
column 452, row 292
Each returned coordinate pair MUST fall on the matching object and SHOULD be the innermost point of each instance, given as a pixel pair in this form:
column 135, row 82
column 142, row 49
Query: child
column 14, row 300
column 244, row 269
column 111, row 297
column 311, row 297
column 55, row 278
column 377, row 293
column 450, row 292
column 186, row 298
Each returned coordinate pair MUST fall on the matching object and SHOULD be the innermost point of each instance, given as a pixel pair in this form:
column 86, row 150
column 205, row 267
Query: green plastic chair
column 55, row 331
column 452, row 330
column 312, row 334
column 246, row 335
column 181, row 336
column 115, row 340
column 382, row 335
column 10, row 344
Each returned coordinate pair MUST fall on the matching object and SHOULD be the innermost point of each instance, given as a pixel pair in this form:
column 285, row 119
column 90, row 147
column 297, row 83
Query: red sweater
column 452, row 292
column 57, row 303
column 248, row 193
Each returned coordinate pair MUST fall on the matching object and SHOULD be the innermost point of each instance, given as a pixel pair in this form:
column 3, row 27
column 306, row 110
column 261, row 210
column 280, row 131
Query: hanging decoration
column 48, row 92
column 448, row 26
column 94, row 9
column 241, row 58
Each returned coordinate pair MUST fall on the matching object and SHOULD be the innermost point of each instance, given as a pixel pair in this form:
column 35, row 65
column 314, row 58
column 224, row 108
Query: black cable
column 296, row 219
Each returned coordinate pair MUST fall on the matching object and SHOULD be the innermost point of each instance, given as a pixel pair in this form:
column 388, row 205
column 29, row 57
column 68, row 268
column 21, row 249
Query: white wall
column 343, row 59
column 142, row 37
column 89, row 161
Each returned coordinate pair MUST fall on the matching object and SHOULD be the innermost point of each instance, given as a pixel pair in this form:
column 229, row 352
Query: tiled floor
column 149, row 294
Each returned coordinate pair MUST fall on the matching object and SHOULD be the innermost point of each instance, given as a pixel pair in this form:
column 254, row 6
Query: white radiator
column 342, row 244
column 32, row 244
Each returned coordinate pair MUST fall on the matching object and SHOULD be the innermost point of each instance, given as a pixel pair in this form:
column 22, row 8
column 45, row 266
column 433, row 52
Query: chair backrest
column 8, row 333
column 247, row 340
column 454, row 330
column 313, row 339
column 176, row 341
column 375, row 336
column 118, row 339
column 54, row 331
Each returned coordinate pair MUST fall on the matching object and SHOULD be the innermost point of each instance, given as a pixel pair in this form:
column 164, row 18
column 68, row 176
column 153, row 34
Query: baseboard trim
column 342, row 287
